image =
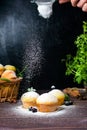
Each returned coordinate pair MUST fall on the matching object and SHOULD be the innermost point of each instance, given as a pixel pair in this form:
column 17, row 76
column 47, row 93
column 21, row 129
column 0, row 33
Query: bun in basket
column 9, row 74
column 10, row 67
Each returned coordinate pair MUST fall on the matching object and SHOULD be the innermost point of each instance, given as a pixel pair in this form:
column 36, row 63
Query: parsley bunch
column 77, row 65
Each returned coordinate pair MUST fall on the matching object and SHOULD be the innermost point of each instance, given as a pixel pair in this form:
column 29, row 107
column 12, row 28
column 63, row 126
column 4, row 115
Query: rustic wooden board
column 69, row 118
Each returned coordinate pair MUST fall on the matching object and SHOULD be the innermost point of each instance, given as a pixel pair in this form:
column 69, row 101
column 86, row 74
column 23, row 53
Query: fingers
column 74, row 2
column 63, row 1
column 80, row 3
column 84, row 8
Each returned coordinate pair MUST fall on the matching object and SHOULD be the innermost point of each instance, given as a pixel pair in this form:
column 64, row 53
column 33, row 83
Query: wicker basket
column 9, row 90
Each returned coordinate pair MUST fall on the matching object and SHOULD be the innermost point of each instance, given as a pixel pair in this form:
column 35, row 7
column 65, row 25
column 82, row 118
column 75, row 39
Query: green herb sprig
column 20, row 73
column 31, row 89
column 5, row 79
column 77, row 65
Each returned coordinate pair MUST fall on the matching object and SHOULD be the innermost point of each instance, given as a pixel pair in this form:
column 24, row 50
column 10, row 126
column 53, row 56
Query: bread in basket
column 9, row 85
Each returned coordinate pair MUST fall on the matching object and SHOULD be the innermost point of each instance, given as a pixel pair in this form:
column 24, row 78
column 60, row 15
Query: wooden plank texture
column 13, row 116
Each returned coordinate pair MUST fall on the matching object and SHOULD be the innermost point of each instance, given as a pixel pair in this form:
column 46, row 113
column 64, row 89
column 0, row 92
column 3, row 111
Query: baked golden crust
column 9, row 83
column 10, row 67
column 9, row 74
column 73, row 92
column 29, row 99
column 29, row 104
column 47, row 108
column 47, row 103
column 59, row 94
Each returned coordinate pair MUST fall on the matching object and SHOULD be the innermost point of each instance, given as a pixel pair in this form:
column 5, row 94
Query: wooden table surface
column 14, row 117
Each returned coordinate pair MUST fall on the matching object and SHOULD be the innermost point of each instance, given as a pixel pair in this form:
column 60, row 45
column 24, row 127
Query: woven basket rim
column 12, row 80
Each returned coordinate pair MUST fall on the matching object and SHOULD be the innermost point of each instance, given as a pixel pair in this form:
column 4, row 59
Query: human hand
column 76, row 3
column 63, row 1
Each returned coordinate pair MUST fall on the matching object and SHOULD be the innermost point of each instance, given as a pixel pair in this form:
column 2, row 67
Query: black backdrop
column 28, row 39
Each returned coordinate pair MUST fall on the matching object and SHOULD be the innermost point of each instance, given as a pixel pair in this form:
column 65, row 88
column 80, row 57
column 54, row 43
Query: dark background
column 28, row 39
